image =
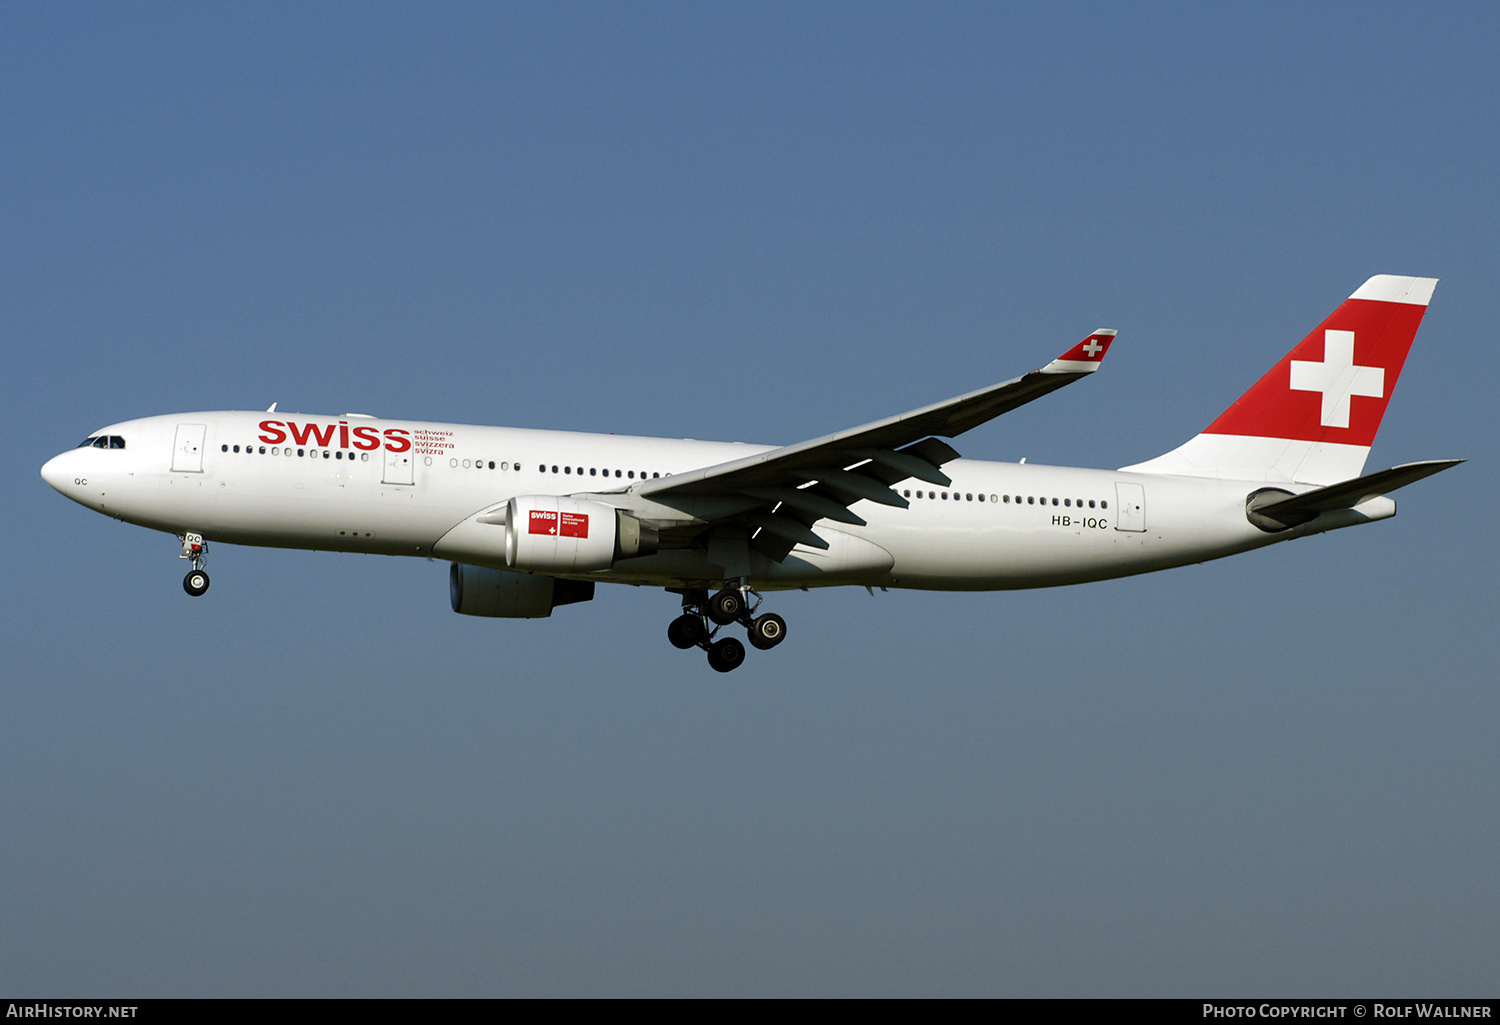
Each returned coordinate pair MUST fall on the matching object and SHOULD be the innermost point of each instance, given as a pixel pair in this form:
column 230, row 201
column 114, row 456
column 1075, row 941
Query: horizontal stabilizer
column 1273, row 509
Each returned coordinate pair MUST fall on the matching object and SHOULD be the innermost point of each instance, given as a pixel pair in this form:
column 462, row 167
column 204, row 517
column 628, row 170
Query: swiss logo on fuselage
column 558, row 524
column 365, row 438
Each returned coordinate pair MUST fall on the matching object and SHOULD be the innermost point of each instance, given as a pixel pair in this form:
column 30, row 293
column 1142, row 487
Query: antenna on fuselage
column 272, row 409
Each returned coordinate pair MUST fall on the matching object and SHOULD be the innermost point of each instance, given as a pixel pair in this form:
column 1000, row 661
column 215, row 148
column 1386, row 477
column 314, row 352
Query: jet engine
column 477, row 591
column 556, row 533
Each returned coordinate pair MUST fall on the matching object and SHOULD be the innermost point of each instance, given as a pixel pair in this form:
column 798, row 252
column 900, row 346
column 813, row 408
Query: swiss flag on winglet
column 1335, row 385
column 1083, row 357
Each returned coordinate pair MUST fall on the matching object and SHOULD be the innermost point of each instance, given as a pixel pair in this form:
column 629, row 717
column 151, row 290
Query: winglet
column 1085, row 357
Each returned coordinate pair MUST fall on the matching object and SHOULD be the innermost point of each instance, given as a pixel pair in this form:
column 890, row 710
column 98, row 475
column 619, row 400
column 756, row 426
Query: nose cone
column 55, row 471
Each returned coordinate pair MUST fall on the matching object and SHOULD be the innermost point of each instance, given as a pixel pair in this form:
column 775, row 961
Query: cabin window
column 325, row 453
column 593, row 472
column 1091, row 503
column 222, row 448
column 1068, row 502
column 567, row 469
column 1104, row 505
column 492, row 464
column 1030, row 500
column 968, row 497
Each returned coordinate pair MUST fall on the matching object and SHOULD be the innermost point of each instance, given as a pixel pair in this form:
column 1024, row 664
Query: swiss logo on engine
column 559, row 524
column 543, row 522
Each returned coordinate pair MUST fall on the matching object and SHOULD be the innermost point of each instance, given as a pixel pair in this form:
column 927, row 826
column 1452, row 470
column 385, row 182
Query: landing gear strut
column 196, row 549
column 702, row 618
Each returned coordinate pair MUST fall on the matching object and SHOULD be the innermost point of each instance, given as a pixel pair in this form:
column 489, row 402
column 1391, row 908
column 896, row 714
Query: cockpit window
column 102, row 441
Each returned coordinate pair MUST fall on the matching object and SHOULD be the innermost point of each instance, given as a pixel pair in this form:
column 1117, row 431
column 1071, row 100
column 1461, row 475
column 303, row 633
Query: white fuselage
column 361, row 484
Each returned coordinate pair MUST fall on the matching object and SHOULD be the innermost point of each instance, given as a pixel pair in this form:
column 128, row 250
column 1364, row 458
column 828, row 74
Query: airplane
column 534, row 519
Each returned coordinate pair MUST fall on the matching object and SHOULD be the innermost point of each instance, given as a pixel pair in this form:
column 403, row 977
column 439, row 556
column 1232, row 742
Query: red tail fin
column 1313, row 417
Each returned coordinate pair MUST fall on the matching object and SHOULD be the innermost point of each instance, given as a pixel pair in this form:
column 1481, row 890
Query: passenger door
column 1130, row 507
column 187, row 449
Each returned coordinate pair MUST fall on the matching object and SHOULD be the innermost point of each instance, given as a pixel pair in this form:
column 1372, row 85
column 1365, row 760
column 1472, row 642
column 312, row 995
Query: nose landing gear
column 692, row 629
column 196, row 549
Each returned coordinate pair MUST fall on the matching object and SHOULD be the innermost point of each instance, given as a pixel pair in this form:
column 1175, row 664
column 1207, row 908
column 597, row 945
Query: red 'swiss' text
column 368, row 439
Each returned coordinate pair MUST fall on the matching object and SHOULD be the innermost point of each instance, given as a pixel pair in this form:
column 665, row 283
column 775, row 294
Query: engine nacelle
column 556, row 533
column 478, row 591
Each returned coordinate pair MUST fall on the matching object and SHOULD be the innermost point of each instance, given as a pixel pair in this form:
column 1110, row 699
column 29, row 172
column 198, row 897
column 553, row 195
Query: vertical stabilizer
column 1313, row 417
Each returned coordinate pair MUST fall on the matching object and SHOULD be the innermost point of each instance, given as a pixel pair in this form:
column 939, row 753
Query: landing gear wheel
column 195, row 583
column 686, row 631
column 726, row 606
column 767, row 631
column 726, row 654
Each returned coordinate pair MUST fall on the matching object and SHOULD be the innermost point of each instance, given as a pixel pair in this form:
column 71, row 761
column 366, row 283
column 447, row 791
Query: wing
column 785, row 491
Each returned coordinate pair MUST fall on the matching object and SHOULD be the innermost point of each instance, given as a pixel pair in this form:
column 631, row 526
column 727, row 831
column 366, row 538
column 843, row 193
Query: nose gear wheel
column 195, row 549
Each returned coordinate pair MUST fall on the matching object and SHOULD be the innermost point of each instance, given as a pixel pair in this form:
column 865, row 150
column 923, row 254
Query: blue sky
column 1267, row 775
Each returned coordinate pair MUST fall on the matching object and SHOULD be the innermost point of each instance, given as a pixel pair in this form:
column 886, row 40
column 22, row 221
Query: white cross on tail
column 1337, row 378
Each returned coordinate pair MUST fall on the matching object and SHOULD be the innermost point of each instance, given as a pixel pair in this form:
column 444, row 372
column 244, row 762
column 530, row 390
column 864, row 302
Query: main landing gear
column 196, row 549
column 702, row 618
